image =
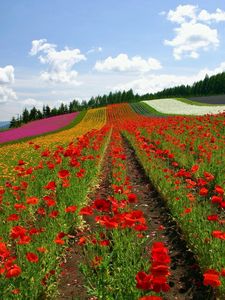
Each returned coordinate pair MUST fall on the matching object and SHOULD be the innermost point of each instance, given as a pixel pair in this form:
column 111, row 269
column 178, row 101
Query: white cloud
column 41, row 45
column 218, row 16
column 6, row 79
column 155, row 83
column 31, row 102
column 6, row 94
column 7, row 75
column 152, row 83
column 183, row 13
column 122, row 63
column 187, row 13
column 60, row 63
column 193, row 35
column 95, row 49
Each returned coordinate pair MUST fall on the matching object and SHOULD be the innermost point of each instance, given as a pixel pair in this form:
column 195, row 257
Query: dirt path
column 185, row 279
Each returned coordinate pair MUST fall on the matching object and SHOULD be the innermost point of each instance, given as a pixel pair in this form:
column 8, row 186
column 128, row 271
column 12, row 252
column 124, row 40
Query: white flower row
column 172, row 106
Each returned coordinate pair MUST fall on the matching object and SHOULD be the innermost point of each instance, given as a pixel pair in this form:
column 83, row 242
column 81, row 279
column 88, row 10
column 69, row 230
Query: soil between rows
column 185, row 279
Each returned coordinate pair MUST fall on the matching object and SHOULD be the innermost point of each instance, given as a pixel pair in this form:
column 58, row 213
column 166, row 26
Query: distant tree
column 33, row 114
column 12, row 123
column 25, row 116
column 47, row 111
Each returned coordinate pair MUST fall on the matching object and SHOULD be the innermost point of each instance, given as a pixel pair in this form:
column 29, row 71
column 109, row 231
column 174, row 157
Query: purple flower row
column 37, row 127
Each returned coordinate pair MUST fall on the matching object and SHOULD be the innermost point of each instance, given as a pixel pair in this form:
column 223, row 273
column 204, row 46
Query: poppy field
column 139, row 197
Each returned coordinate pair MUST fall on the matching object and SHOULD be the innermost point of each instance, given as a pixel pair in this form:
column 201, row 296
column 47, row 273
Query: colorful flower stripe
column 10, row 154
column 173, row 106
column 119, row 114
column 37, row 127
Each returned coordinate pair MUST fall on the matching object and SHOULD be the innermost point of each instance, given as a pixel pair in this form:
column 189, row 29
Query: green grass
column 76, row 121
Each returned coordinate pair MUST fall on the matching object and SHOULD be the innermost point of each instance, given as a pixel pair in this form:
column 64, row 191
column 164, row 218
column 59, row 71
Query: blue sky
column 53, row 51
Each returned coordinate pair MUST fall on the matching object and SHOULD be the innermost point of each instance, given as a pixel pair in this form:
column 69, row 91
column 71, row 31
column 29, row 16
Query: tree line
column 213, row 85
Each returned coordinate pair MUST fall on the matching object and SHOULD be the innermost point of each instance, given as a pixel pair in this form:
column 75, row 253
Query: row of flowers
column 39, row 207
column 115, row 243
column 187, row 196
column 173, row 106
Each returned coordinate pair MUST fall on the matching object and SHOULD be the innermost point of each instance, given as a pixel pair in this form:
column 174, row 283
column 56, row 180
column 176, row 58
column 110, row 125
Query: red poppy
column 32, row 257
column 13, row 271
column 159, row 284
column 71, row 209
column 19, row 206
column 194, row 168
column 159, row 269
column 144, row 281
column 16, row 291
column 25, row 240
column 203, row 191
column 65, row 183
column 219, row 189
column 59, row 241
column 108, row 222
column 53, row 214
column 32, row 200
column 42, row 249
column 150, row 298
column 13, row 217
column 50, row 186
column 87, row 210
column 104, row 243
column 216, row 199
column 49, row 201
column 140, row 227
column 82, row 241
column 4, row 252
column 132, row 198
column 208, row 176
column 211, row 277
column 41, row 211
column 63, row 174
column 213, row 218
column 101, row 205
column 17, row 231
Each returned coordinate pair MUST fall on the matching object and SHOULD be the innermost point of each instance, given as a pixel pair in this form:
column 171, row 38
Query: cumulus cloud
column 31, row 102
column 194, row 32
column 6, row 94
column 7, row 75
column 6, row 79
column 60, row 63
column 183, row 13
column 122, row 63
column 192, row 37
column 218, row 16
column 154, row 83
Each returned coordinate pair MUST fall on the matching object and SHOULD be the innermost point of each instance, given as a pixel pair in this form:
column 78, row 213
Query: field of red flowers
column 134, row 203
